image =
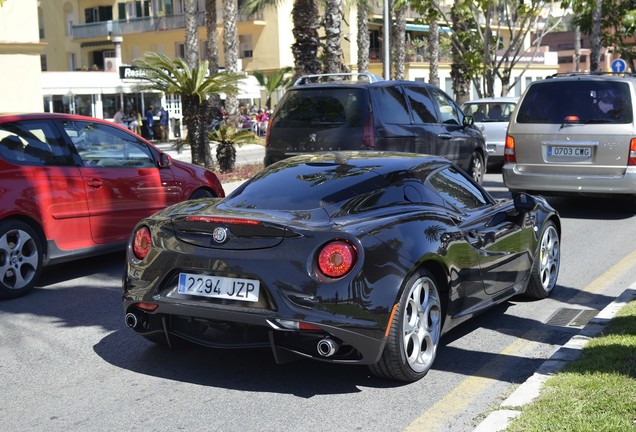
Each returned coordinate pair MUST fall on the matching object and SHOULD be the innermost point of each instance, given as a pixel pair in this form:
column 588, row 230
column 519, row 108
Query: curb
column 527, row 392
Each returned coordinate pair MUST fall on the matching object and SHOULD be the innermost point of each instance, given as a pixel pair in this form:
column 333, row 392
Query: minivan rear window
column 327, row 107
column 583, row 102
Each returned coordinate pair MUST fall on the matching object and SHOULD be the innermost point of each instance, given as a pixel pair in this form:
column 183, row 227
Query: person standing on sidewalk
column 150, row 123
column 163, row 124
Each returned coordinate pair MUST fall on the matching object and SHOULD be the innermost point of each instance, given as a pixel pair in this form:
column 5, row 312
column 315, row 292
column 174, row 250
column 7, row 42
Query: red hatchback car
column 73, row 186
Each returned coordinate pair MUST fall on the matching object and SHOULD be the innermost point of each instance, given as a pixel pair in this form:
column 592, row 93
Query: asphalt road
column 69, row 363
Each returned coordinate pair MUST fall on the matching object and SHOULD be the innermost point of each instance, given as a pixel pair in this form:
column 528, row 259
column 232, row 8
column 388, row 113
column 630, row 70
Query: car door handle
column 474, row 239
column 95, row 183
column 444, row 136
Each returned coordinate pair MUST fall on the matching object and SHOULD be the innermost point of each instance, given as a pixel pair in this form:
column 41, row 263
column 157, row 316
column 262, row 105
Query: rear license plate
column 219, row 287
column 570, row 152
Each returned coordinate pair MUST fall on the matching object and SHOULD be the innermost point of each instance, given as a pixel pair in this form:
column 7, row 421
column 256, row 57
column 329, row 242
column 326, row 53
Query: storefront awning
column 425, row 28
column 96, row 44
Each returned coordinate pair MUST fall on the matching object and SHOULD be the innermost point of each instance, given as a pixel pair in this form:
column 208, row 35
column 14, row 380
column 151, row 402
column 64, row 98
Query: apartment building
column 85, row 46
column 20, row 50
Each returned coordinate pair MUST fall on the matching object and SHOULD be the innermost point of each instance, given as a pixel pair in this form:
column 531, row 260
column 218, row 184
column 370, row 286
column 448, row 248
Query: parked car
column 574, row 134
column 363, row 112
column 366, row 258
column 74, row 186
column 491, row 116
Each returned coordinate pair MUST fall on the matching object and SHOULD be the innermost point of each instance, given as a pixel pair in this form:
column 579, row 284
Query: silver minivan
column 573, row 134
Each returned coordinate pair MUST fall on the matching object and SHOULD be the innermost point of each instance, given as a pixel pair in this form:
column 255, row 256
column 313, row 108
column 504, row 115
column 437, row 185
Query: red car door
column 122, row 179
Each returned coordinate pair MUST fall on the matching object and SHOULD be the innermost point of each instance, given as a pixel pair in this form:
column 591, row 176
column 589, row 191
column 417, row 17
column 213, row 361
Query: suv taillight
column 631, row 160
column 368, row 133
column 509, row 150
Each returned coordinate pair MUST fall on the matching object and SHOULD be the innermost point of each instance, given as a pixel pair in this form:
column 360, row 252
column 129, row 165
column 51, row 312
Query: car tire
column 21, row 254
column 201, row 193
column 546, row 263
column 477, row 169
column 415, row 331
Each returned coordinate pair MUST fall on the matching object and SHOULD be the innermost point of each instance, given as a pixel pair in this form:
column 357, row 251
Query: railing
column 145, row 24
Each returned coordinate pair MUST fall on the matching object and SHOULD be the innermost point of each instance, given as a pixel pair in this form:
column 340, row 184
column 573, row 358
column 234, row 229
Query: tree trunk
column 307, row 42
column 333, row 33
column 363, row 36
column 577, row 48
column 595, row 38
column 459, row 73
column 191, row 33
column 399, row 36
column 212, row 36
column 195, row 116
column 433, row 48
column 230, row 49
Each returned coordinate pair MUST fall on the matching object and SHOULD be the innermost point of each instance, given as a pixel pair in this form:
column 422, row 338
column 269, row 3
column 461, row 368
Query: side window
column 422, row 106
column 35, row 143
column 448, row 110
column 100, row 145
column 458, row 190
column 391, row 105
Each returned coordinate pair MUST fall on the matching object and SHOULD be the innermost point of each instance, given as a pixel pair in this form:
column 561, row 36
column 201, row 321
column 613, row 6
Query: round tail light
column 141, row 243
column 336, row 258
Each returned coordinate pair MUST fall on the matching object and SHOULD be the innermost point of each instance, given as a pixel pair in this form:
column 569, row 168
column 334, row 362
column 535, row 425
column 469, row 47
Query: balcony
column 145, row 24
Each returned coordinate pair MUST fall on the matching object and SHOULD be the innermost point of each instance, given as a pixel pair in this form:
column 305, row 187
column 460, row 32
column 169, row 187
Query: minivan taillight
column 631, row 160
column 509, row 150
column 368, row 133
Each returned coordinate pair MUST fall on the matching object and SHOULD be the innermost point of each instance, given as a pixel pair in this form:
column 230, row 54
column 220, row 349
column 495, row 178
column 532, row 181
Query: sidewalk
column 528, row 391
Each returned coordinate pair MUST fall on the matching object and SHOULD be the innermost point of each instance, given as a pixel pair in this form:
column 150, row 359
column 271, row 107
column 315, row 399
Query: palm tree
column 191, row 32
column 230, row 50
column 399, row 36
column 272, row 81
column 332, row 23
column 212, row 36
column 363, row 38
column 227, row 138
column 305, row 30
column 194, row 85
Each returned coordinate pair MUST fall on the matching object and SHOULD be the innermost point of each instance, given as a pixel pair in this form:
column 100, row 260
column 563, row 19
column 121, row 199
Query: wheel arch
column 36, row 227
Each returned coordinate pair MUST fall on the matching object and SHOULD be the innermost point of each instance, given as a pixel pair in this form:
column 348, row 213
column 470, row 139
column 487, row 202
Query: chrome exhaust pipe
column 327, row 347
column 132, row 320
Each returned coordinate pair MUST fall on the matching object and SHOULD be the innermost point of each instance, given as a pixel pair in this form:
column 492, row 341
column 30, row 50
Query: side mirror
column 524, row 202
column 164, row 160
column 468, row 120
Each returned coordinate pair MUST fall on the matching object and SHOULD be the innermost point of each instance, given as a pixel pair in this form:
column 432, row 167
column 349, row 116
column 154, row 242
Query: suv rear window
column 584, row 101
column 322, row 107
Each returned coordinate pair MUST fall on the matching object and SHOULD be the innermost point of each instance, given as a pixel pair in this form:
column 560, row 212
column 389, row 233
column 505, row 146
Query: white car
column 491, row 116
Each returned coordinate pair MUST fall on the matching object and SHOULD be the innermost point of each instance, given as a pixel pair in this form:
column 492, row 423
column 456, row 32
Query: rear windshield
column 315, row 107
column 585, row 101
column 489, row 111
column 305, row 187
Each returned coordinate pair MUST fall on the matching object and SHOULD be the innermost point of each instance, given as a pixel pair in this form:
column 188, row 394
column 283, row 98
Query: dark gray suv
column 333, row 112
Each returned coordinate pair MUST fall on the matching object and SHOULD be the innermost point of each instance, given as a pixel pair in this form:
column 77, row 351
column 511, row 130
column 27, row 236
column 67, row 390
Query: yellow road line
column 437, row 416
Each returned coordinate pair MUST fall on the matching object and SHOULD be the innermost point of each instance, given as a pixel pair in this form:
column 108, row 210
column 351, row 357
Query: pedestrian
column 163, row 124
column 150, row 123
column 119, row 118
column 135, row 124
